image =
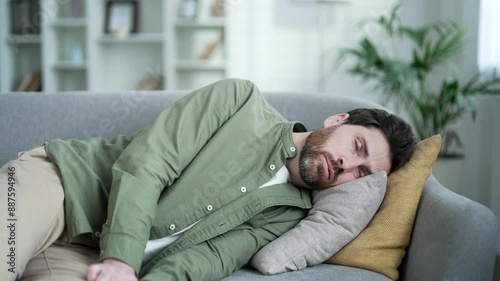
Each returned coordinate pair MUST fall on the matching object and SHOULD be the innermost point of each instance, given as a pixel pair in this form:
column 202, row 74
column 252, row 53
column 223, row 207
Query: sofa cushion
column 381, row 246
column 337, row 216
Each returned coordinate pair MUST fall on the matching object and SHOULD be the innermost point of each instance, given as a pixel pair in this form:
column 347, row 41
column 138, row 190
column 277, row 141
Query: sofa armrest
column 454, row 238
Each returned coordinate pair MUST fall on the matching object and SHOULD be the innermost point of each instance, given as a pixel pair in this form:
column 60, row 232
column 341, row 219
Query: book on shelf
column 150, row 82
column 36, row 83
column 76, row 8
column 25, row 83
column 217, row 10
column 31, row 82
column 201, row 10
column 210, row 48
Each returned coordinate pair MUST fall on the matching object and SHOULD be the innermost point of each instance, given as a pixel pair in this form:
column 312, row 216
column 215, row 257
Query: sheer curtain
column 489, row 35
column 489, row 59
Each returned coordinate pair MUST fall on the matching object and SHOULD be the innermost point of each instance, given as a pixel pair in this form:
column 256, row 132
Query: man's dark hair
column 397, row 131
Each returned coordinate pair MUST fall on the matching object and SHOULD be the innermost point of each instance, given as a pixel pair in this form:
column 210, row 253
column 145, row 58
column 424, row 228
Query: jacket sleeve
column 156, row 157
column 220, row 256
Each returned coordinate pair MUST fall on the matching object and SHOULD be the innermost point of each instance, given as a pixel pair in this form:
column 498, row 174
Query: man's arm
column 156, row 157
column 111, row 269
column 224, row 254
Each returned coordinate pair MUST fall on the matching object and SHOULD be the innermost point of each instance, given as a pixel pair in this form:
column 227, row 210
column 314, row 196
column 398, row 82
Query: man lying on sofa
column 218, row 175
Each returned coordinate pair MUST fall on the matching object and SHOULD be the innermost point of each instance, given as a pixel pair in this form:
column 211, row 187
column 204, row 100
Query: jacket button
column 292, row 149
column 272, row 167
column 172, row 227
column 210, row 207
column 97, row 234
column 243, row 189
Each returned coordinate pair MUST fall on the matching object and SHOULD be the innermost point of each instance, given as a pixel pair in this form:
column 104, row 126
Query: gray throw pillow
column 338, row 215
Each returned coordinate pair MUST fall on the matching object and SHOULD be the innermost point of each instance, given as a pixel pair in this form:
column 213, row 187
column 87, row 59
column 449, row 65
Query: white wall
column 275, row 57
column 275, row 43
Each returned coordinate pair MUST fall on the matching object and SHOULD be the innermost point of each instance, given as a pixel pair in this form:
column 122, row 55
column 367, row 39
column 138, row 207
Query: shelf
column 187, row 65
column 70, row 22
column 166, row 44
column 24, row 39
column 133, row 38
column 216, row 23
column 68, row 65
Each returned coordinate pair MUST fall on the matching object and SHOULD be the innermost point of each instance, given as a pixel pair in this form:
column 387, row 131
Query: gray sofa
column 453, row 239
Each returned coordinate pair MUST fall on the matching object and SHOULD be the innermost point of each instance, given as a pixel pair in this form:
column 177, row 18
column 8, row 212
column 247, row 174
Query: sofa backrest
column 30, row 119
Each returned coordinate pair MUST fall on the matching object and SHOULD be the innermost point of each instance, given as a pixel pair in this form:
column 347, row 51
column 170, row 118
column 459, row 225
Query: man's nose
column 347, row 164
column 343, row 166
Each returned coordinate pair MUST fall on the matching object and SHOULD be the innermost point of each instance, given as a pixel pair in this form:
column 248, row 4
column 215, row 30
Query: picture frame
column 121, row 16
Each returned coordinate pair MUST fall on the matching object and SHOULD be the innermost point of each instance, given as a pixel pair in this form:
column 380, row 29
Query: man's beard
column 311, row 169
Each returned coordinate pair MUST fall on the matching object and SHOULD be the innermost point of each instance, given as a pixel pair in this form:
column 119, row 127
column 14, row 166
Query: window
column 489, row 35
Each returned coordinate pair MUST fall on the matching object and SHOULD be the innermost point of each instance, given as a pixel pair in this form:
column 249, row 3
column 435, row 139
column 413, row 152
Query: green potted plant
column 410, row 82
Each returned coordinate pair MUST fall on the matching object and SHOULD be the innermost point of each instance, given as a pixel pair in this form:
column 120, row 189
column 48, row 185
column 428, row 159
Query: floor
column 496, row 275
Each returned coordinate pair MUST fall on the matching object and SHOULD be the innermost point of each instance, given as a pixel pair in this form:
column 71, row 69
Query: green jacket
column 204, row 158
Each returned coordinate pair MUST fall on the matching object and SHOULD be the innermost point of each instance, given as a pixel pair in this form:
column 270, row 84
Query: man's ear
column 335, row 119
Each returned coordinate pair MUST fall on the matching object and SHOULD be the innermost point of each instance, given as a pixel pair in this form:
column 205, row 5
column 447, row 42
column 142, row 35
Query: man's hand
column 111, row 270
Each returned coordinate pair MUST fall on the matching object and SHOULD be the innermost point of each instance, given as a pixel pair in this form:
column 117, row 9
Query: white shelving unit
column 134, row 38
column 74, row 52
column 124, row 62
column 62, row 35
column 24, row 39
column 192, row 38
column 207, row 24
column 19, row 53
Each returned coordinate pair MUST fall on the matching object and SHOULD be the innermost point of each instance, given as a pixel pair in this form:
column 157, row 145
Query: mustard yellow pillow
column 380, row 247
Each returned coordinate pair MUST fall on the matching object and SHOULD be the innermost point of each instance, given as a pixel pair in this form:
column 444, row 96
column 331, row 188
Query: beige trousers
column 32, row 223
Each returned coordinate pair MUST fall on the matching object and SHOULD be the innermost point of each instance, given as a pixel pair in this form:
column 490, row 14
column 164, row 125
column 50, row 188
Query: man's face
column 342, row 153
